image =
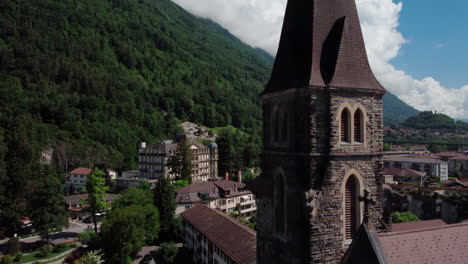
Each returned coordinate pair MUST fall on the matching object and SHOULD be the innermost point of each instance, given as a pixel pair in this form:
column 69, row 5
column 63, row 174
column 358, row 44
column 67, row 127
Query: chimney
column 227, row 176
column 239, row 176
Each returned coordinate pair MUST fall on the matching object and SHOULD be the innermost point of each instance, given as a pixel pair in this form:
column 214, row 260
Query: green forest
column 93, row 78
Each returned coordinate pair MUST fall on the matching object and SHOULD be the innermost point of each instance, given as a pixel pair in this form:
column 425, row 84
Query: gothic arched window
column 358, row 126
column 284, row 127
column 351, row 207
column 275, row 126
column 345, row 126
column 280, row 205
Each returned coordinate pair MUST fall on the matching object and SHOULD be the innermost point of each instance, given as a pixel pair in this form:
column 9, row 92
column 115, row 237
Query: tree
column 46, row 204
column 88, row 237
column 7, row 259
column 387, row 147
column 92, row 257
column 123, row 233
column 143, row 197
column 180, row 164
column 250, row 155
column 167, row 252
column 96, row 189
column 404, row 217
column 226, row 152
column 164, row 200
column 14, row 246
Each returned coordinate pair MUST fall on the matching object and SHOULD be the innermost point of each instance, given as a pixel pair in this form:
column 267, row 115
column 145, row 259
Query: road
column 68, row 234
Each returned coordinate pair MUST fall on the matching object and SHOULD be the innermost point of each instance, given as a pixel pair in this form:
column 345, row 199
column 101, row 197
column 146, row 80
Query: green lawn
column 33, row 257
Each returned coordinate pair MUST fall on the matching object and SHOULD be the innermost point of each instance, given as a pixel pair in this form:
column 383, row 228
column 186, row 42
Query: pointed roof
column 322, row 45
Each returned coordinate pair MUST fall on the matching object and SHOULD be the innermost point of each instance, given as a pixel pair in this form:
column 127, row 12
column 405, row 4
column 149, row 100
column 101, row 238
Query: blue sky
column 437, row 38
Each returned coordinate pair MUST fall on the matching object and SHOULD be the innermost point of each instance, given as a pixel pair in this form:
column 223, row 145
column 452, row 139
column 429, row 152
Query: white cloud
column 258, row 23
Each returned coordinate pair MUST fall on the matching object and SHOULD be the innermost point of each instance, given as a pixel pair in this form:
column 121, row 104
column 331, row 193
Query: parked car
column 88, row 220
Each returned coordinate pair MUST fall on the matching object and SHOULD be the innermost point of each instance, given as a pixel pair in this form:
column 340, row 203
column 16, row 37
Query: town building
column 323, row 138
column 76, row 203
column 152, row 160
column 432, row 167
column 128, row 182
column 76, row 179
column 224, row 195
column 214, row 237
column 403, row 175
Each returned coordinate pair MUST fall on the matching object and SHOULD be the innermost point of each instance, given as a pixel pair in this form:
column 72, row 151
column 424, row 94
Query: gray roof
column 414, row 160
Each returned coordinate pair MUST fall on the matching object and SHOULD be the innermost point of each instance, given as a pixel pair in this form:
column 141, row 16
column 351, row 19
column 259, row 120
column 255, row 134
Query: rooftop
column 438, row 244
column 402, row 172
column 233, row 238
column 81, row 170
column 414, row 160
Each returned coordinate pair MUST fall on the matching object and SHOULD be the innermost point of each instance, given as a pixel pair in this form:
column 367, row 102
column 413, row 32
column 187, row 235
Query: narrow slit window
column 358, row 127
column 351, row 206
column 345, row 126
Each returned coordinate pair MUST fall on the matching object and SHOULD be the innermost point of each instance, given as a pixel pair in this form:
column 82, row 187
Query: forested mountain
column 93, row 78
column 431, row 120
column 395, row 110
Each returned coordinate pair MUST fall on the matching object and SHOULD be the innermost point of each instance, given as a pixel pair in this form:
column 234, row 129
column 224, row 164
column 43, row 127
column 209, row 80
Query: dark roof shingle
column 233, row 238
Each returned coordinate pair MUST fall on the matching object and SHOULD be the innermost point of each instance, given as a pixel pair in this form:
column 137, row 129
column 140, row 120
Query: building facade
column 152, row 160
column 76, row 179
column 215, row 238
column 323, row 138
column 224, row 195
column 432, row 167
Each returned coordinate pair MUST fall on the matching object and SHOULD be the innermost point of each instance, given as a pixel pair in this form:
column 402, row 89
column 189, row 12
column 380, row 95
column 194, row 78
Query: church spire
column 322, row 45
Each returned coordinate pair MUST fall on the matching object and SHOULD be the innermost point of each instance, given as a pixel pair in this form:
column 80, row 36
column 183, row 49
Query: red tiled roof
column 442, row 244
column 402, row 172
column 84, row 171
column 226, row 185
column 411, row 226
column 233, row 238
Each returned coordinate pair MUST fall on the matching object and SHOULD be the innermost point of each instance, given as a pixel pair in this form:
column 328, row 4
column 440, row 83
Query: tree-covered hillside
column 430, row 120
column 395, row 110
column 93, row 78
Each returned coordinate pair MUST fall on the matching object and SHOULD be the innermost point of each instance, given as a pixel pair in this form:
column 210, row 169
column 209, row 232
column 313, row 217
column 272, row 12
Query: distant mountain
column 395, row 110
column 93, row 78
column 431, row 120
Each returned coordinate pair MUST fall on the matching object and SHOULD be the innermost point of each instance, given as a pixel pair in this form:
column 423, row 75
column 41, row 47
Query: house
column 152, row 160
column 111, row 174
column 128, row 182
column 75, row 204
column 215, row 237
column 130, row 174
column 415, row 243
column 431, row 166
column 404, row 175
column 224, row 195
column 76, row 179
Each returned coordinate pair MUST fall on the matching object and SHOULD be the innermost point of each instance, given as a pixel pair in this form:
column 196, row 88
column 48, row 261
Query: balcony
column 247, row 210
column 247, row 202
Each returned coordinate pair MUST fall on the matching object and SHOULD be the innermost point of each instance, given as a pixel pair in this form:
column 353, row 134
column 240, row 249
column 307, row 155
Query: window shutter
column 357, row 126
column 350, row 208
column 344, row 126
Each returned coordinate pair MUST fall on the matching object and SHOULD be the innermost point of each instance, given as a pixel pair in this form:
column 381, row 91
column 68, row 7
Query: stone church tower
column 323, row 138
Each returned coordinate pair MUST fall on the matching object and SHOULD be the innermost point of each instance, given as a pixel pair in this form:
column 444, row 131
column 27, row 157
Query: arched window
column 345, row 126
column 358, row 126
column 280, row 205
column 351, row 207
column 275, row 126
column 284, row 127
